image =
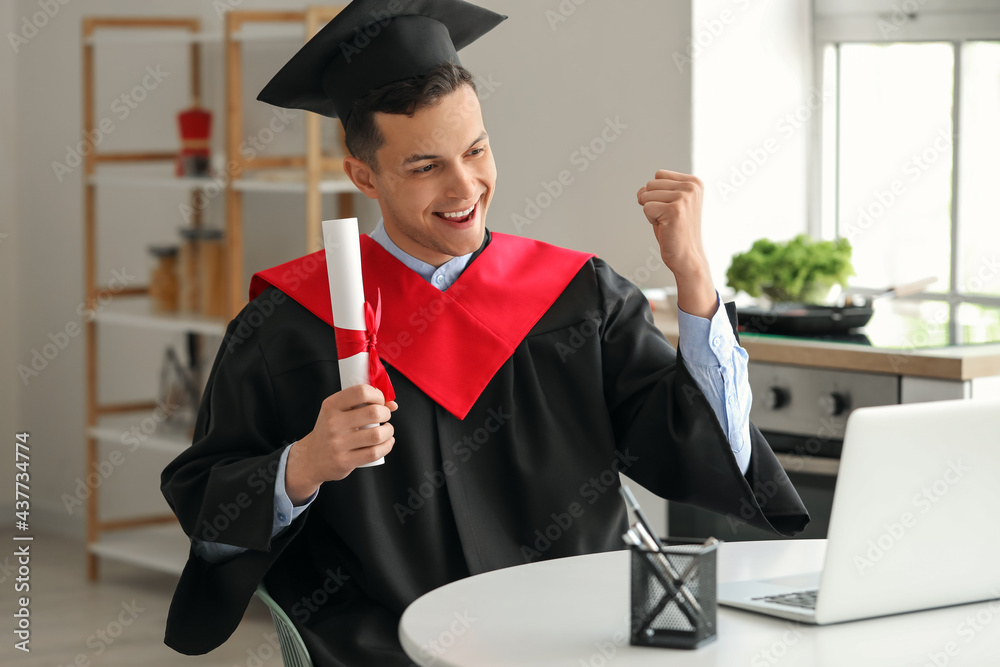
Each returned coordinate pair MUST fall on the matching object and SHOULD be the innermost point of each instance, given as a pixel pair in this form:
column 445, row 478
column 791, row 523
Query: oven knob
column 834, row 403
column 775, row 398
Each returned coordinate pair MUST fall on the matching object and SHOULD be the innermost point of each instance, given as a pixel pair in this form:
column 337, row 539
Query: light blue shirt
column 708, row 349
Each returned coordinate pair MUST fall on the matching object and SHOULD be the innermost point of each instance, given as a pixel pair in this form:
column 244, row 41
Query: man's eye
column 476, row 151
column 423, row 170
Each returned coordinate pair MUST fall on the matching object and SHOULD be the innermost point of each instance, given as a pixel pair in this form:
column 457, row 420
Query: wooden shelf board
column 137, row 312
column 260, row 33
column 293, row 185
column 152, row 181
column 164, row 548
column 111, row 428
column 274, row 183
column 274, row 32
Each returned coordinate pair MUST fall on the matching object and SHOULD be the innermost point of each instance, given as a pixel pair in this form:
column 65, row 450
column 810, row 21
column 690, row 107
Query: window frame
column 830, row 30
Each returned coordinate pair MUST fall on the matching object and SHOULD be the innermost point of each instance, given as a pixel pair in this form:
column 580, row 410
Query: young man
column 526, row 376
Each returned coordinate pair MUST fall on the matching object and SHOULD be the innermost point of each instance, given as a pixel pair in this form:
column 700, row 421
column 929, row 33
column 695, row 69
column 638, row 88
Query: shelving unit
column 262, row 182
column 157, row 541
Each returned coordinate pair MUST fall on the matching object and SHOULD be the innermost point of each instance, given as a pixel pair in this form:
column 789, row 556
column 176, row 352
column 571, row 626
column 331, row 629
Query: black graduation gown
column 528, row 474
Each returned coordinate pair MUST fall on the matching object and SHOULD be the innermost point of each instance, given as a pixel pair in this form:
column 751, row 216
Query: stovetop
column 912, row 324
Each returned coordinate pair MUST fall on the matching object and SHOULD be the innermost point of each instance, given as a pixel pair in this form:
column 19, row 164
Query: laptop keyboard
column 805, row 599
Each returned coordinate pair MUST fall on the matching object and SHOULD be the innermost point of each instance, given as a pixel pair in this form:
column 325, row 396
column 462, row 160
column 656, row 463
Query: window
column 910, row 157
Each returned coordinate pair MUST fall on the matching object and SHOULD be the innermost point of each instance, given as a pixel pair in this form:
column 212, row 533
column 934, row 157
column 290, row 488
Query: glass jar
column 202, row 272
column 164, row 289
column 211, row 274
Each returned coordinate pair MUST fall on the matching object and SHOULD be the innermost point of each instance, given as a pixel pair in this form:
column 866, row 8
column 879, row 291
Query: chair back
column 293, row 649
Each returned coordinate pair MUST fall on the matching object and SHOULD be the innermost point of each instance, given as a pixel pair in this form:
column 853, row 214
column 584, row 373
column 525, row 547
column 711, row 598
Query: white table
column 575, row 612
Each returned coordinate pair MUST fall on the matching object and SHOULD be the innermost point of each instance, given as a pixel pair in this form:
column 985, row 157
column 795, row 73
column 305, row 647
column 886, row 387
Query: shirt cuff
column 284, row 511
column 705, row 342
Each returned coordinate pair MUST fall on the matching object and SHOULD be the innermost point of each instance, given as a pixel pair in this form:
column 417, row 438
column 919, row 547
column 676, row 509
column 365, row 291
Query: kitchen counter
column 947, row 363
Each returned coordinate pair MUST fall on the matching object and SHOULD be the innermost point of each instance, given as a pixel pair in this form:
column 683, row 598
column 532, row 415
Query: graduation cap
column 370, row 44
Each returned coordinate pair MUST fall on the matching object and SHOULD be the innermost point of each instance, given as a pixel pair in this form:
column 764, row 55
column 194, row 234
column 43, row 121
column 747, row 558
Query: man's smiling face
column 436, row 177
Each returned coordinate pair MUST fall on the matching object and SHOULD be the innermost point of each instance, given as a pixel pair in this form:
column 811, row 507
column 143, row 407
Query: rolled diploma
column 347, row 296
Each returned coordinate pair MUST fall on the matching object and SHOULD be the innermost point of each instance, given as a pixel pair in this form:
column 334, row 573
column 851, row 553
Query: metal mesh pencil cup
column 666, row 614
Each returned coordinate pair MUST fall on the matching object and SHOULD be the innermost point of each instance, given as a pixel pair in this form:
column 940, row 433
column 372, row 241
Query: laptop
column 914, row 523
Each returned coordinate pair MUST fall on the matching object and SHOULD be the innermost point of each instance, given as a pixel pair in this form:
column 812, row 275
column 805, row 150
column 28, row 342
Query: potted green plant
column 800, row 270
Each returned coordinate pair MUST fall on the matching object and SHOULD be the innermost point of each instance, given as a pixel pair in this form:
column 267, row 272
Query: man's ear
column 361, row 175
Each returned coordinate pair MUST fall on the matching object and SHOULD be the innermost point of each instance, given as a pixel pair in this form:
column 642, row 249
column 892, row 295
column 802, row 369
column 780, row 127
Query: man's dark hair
column 405, row 97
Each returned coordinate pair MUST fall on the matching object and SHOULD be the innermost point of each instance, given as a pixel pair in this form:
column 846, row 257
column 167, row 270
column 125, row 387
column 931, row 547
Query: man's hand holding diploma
column 340, row 441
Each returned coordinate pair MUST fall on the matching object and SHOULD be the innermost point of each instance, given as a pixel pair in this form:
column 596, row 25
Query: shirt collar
column 442, row 277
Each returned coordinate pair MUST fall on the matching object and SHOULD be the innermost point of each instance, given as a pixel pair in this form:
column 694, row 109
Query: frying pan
column 802, row 319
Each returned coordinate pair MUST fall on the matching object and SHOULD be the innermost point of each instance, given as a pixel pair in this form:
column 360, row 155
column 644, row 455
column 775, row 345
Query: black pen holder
column 673, row 596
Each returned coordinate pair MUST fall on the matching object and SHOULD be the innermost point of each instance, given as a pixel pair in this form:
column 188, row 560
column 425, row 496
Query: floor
column 79, row 623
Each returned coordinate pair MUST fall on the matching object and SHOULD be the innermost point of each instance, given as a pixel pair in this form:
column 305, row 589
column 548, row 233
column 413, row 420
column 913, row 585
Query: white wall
column 753, row 110
column 562, row 76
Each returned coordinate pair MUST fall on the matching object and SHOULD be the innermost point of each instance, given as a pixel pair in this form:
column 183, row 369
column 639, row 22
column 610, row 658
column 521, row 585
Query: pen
column 634, row 506
column 673, row 582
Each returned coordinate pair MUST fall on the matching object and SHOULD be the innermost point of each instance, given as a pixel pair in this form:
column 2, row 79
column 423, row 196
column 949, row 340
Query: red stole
column 449, row 344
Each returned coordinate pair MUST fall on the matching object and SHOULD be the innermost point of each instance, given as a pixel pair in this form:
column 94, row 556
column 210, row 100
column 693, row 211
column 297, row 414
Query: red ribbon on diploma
column 353, row 341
